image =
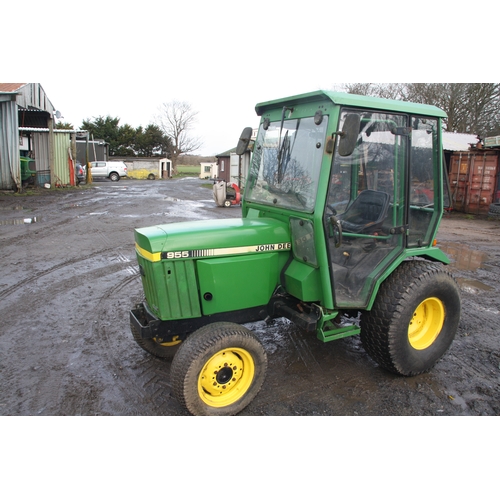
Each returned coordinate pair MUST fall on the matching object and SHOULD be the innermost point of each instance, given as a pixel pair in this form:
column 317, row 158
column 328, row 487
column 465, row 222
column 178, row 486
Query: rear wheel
column 157, row 347
column 218, row 370
column 114, row 176
column 414, row 318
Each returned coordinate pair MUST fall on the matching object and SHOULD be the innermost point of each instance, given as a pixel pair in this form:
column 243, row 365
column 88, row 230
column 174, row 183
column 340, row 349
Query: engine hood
column 209, row 238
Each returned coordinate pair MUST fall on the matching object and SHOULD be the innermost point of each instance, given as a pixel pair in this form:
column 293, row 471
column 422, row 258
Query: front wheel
column 414, row 318
column 218, row 370
column 157, row 347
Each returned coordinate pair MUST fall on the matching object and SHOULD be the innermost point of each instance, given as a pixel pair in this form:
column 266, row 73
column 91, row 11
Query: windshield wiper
column 281, row 147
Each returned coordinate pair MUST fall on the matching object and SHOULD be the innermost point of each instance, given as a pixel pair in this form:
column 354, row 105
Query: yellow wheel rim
column 226, row 377
column 175, row 340
column 426, row 323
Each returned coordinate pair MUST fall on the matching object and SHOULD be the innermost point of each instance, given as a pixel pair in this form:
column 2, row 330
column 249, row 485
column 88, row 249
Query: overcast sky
column 126, row 59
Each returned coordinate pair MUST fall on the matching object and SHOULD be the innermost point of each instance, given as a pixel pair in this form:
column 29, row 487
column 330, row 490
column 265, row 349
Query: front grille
column 171, row 288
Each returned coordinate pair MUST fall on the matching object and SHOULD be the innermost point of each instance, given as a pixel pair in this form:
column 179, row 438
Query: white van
column 114, row 170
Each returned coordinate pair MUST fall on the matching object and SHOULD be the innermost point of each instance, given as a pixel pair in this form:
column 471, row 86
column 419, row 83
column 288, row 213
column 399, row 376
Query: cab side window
column 423, row 157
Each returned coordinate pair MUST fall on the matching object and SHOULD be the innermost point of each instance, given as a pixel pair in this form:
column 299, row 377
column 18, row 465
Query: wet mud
column 69, row 278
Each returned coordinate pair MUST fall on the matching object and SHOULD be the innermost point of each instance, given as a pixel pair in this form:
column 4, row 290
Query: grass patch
column 188, row 171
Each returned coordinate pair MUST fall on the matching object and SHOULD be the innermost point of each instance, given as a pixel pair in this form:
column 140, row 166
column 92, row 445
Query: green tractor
column 342, row 203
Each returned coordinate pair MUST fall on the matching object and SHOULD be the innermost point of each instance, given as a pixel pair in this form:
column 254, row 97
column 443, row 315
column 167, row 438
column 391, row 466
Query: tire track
column 304, row 351
column 143, row 383
column 131, row 269
column 57, row 267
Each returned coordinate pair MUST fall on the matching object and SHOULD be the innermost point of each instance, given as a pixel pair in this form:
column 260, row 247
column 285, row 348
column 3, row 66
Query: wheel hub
column 226, row 377
column 175, row 340
column 426, row 323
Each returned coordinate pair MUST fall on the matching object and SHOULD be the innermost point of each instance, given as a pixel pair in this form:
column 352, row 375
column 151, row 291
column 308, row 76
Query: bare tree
column 176, row 119
column 450, row 97
column 358, row 88
column 484, row 108
column 471, row 107
column 384, row 90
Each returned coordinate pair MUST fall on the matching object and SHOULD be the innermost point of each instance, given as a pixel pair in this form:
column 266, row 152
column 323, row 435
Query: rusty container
column 473, row 180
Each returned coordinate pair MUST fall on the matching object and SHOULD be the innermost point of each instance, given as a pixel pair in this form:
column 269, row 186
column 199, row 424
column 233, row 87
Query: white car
column 113, row 170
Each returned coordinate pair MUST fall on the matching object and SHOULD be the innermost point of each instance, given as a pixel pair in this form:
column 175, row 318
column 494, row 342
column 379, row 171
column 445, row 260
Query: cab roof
column 358, row 101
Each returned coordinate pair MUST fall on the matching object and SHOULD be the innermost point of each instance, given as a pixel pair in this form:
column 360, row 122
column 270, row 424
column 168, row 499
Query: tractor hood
column 212, row 238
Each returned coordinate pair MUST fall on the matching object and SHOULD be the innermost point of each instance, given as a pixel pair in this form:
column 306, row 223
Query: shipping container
column 473, row 180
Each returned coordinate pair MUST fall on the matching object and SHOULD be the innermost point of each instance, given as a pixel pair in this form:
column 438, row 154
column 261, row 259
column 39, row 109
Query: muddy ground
column 69, row 278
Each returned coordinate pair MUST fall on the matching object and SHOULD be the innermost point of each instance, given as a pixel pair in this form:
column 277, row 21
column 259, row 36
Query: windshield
column 286, row 163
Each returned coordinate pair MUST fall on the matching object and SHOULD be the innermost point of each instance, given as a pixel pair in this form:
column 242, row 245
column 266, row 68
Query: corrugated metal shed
column 41, row 150
column 60, row 174
column 10, row 173
column 29, row 95
column 29, row 100
column 62, row 143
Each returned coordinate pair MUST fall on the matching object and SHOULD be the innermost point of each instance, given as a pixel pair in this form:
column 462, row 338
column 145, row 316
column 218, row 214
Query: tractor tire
column 218, row 370
column 414, row 318
column 494, row 208
column 165, row 350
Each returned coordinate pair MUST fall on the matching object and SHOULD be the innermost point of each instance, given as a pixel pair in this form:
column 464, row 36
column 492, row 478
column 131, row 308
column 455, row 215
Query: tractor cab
column 360, row 186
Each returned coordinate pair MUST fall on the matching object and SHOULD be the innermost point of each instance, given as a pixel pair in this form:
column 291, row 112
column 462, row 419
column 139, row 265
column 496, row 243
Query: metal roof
column 355, row 100
column 30, row 96
column 11, row 87
column 458, row 142
column 56, row 130
column 226, row 153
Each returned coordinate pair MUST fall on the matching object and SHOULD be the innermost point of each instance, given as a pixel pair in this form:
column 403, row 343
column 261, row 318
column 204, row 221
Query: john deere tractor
column 341, row 207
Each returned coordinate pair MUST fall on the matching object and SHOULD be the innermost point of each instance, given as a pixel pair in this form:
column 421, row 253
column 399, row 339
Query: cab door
column 364, row 214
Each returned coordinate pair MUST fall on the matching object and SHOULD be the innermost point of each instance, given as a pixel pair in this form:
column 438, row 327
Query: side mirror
column 349, row 134
column 244, row 141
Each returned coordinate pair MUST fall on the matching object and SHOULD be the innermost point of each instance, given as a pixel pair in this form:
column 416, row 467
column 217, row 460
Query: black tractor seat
column 366, row 213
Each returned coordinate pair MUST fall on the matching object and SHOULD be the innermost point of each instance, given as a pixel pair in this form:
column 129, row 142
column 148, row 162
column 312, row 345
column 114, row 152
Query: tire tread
column 198, row 344
column 382, row 326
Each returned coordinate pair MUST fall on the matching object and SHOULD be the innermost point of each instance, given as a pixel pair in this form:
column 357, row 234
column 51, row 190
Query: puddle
column 15, row 222
column 15, row 207
column 473, row 285
column 463, row 257
column 158, row 214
